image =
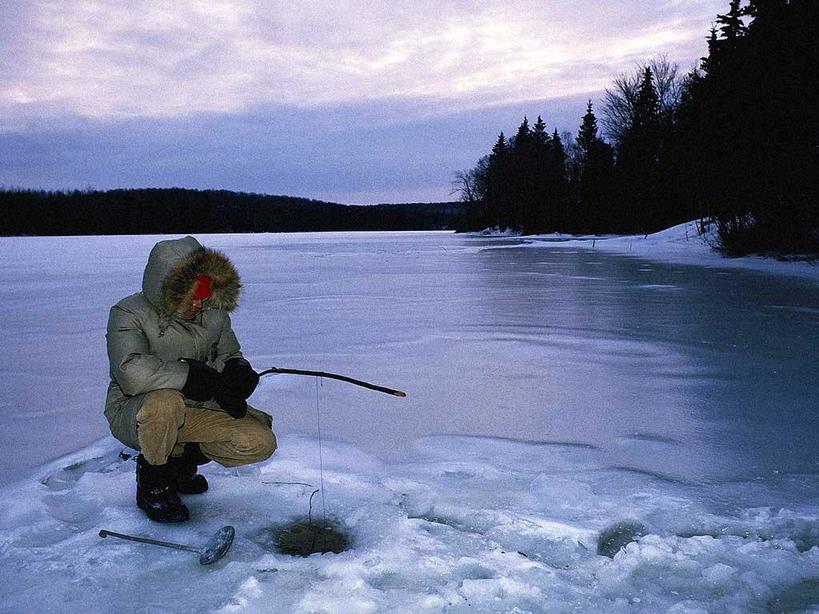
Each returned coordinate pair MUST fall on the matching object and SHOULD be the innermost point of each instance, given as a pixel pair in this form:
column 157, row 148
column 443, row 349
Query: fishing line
column 319, row 379
column 321, row 458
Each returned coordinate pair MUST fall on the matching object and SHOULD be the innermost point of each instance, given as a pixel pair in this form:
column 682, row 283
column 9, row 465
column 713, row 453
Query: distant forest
column 735, row 143
column 175, row 210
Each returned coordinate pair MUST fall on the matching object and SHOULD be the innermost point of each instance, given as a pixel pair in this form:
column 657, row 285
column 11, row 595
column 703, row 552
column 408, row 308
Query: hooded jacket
column 147, row 336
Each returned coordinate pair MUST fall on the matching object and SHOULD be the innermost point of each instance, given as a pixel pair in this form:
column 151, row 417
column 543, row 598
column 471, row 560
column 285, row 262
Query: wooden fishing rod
column 342, row 378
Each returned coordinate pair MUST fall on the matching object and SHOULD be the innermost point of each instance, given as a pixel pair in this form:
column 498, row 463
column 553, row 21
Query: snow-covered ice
column 585, row 431
column 473, row 525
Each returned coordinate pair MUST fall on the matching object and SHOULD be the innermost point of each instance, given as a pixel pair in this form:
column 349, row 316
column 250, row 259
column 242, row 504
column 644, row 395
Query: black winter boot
column 184, row 469
column 156, row 494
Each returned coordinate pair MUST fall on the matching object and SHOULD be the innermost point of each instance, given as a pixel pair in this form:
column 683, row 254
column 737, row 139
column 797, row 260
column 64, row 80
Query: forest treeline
column 734, row 142
column 176, row 210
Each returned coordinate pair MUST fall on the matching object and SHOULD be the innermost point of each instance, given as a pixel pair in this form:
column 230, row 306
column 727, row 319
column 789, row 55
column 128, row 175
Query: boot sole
column 183, row 515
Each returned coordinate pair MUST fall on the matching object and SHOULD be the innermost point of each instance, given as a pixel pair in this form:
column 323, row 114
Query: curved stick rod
column 343, row 378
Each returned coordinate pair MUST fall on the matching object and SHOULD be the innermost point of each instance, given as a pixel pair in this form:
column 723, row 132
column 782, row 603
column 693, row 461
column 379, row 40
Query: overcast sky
column 355, row 102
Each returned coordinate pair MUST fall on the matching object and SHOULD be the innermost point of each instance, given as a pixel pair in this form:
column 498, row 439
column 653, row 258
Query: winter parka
column 147, row 336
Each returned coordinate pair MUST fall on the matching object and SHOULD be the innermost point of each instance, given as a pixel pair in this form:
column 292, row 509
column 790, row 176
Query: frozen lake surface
column 555, row 392
column 694, row 373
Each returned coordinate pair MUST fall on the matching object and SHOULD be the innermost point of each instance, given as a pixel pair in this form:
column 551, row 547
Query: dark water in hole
column 304, row 538
column 615, row 538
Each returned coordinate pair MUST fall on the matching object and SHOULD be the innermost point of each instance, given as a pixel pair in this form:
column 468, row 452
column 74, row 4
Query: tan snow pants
column 163, row 422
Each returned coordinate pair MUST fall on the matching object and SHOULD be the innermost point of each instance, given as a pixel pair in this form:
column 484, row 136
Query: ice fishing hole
column 303, row 538
column 615, row 538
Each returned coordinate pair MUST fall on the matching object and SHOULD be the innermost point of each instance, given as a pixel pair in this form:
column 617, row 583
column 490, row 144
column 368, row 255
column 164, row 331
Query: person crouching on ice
column 179, row 383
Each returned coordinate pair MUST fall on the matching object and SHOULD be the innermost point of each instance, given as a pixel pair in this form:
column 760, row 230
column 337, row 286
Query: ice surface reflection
column 695, row 373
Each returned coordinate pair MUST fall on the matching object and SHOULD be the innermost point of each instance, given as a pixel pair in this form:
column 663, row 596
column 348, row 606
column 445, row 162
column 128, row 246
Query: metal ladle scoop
column 215, row 549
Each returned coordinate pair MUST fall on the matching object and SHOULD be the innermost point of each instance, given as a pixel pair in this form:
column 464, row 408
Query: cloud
column 112, row 59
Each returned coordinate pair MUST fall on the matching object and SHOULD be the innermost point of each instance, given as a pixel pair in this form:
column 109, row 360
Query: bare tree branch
column 619, row 101
column 465, row 184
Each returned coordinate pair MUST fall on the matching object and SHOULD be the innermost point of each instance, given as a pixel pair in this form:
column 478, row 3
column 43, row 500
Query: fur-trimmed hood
column 173, row 268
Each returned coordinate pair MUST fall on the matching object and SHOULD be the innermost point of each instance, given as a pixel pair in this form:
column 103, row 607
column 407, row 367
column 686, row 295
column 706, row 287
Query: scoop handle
column 146, row 540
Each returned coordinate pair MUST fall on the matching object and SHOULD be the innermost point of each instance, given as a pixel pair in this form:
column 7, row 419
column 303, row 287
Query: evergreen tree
column 498, row 183
column 540, row 214
column 595, row 162
column 587, row 135
column 637, row 162
column 713, row 43
column 540, row 136
column 646, row 107
column 522, row 195
column 730, row 24
column 523, row 136
column 558, row 160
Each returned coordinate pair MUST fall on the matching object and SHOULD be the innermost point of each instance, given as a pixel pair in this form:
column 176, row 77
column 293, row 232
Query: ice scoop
column 215, row 549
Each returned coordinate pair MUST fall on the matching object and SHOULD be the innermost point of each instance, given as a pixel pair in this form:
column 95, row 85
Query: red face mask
column 203, row 289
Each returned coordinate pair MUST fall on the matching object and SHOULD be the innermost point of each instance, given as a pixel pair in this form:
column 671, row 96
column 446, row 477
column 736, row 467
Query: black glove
column 240, row 377
column 231, row 402
column 203, row 381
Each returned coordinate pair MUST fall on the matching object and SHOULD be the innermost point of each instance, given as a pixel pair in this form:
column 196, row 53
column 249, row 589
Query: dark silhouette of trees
column 521, row 185
column 749, row 118
column 157, row 211
column 536, row 182
column 735, row 141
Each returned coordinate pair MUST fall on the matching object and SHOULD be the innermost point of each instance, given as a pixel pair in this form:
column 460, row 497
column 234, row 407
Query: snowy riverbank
column 682, row 244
